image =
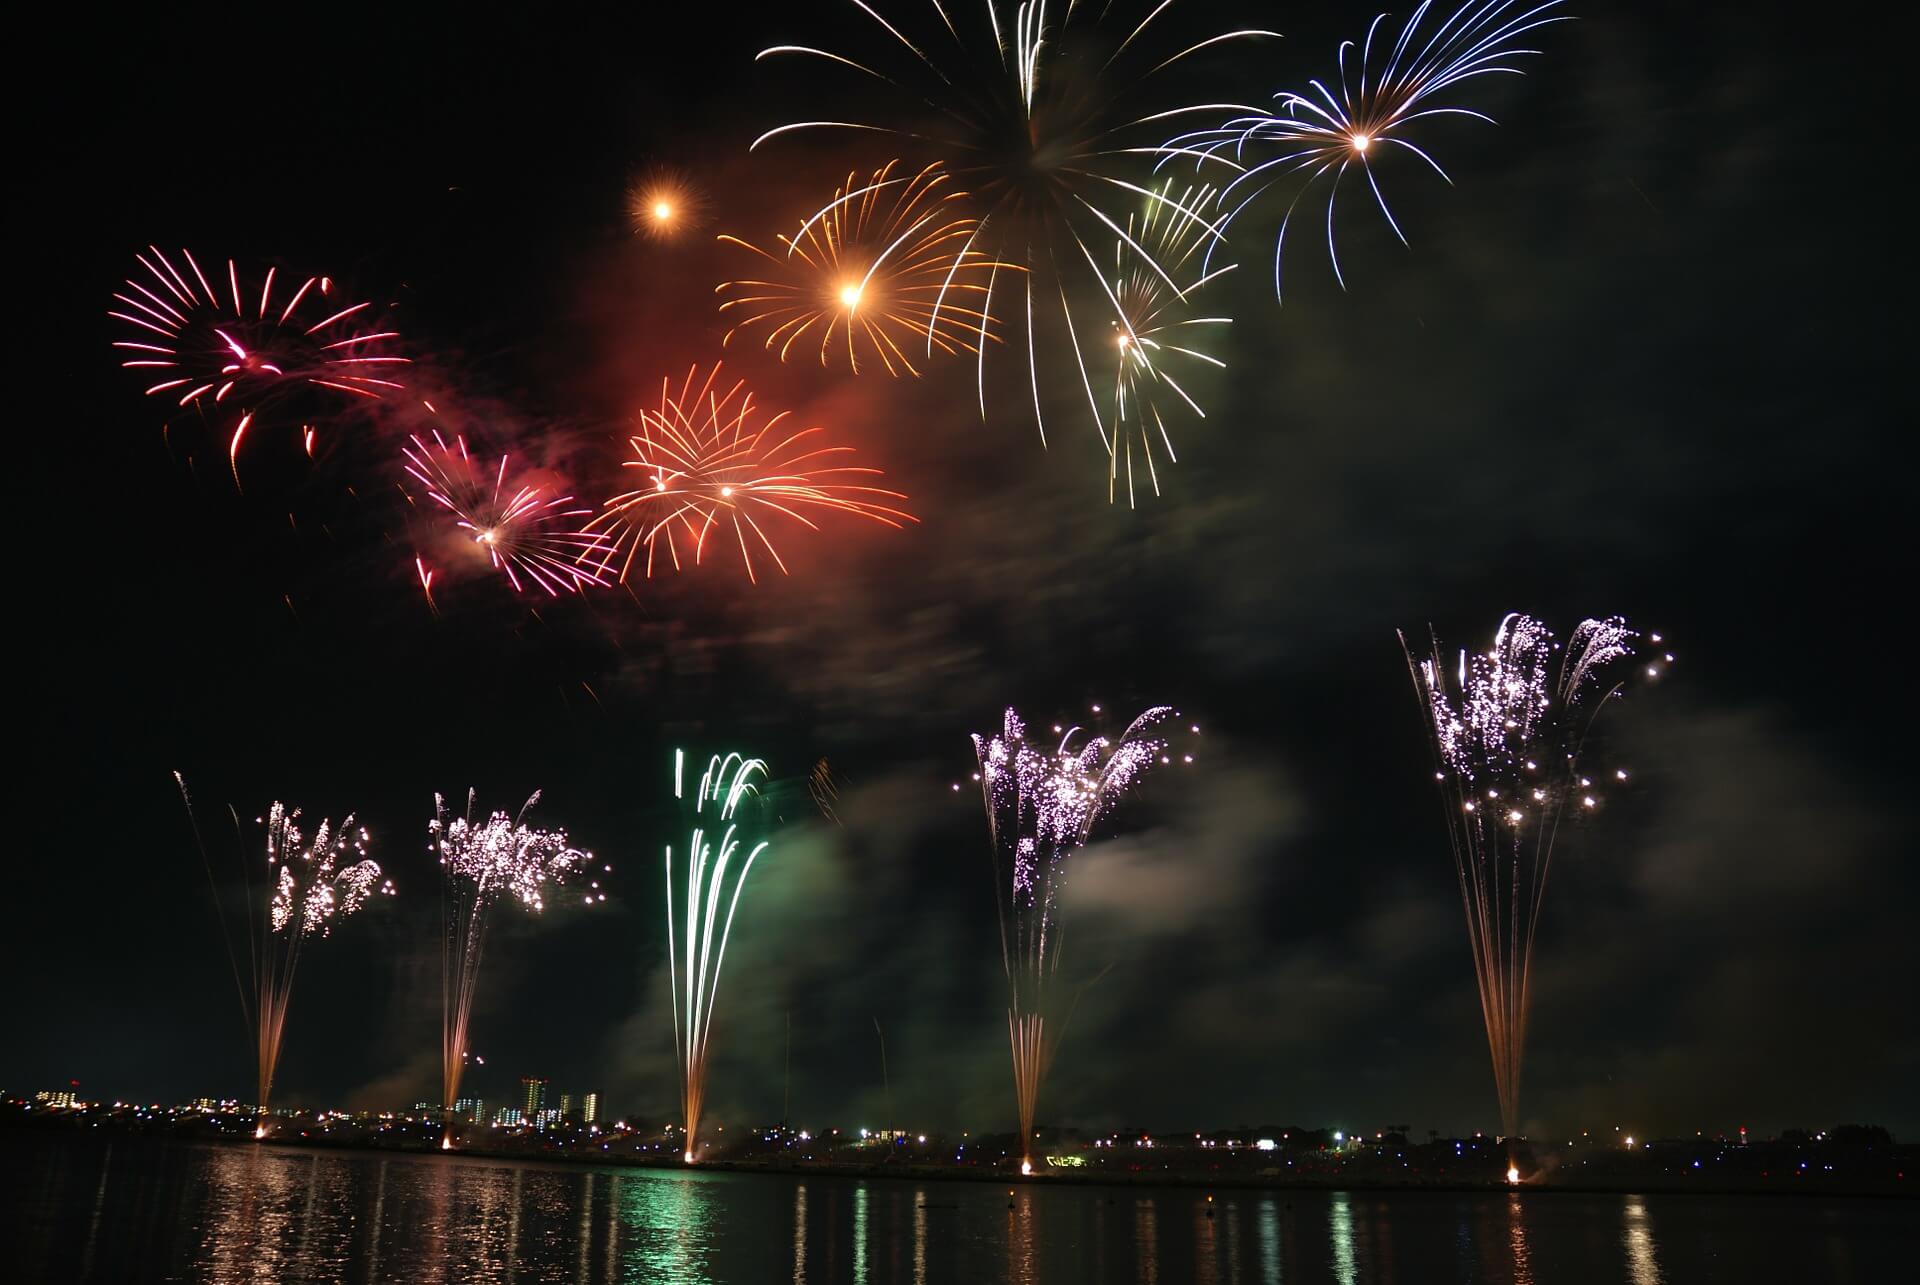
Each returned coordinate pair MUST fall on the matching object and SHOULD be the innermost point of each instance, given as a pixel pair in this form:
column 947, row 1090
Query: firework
column 481, row 863
column 231, row 351
column 664, row 204
column 528, row 534
column 1383, row 99
column 824, row 791
column 1038, row 114
column 708, row 462
column 1156, row 334
column 1042, row 807
column 1507, row 748
column 310, row 883
column 888, row 261
column 714, row 845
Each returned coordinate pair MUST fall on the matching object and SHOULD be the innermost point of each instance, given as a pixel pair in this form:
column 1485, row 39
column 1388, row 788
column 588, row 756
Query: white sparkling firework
column 694, row 956
column 1507, row 736
column 1386, row 93
column 308, row 889
column 481, row 862
column 1042, row 806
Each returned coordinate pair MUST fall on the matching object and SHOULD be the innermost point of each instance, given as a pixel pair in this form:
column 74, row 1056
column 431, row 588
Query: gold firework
column 886, row 267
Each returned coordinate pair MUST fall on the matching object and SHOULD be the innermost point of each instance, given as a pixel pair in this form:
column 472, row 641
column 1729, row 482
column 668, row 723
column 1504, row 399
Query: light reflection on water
column 139, row 1210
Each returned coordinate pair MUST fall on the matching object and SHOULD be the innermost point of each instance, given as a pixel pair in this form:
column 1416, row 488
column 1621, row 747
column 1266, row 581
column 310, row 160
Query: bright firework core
column 850, row 295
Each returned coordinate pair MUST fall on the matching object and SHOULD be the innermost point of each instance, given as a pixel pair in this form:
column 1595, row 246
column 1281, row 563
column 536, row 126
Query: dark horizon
column 1639, row 360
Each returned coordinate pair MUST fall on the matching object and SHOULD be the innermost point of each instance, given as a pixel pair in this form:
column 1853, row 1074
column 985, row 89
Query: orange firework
column 709, row 461
column 664, row 203
column 888, row 265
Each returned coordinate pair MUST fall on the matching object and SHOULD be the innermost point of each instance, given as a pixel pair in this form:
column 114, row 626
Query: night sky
column 1640, row 360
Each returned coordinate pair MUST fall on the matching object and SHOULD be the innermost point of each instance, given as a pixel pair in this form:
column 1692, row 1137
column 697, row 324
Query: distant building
column 566, row 1106
column 589, row 1108
column 534, row 1095
column 508, row 1117
column 471, row 1109
column 545, row 1118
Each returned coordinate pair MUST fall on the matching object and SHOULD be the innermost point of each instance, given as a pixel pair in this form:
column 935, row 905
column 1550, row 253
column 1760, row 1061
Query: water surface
column 135, row 1209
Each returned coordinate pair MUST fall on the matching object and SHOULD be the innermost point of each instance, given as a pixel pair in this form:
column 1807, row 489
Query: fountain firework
column 1042, row 806
column 1507, row 751
column 712, row 847
column 306, row 890
column 479, row 863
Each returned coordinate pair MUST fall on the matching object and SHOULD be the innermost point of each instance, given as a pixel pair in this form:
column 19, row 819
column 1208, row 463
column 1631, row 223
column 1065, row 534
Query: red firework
column 235, row 350
column 530, row 535
column 708, row 462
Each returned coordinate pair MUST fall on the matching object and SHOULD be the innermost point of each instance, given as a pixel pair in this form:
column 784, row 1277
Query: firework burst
column 887, row 263
column 694, row 957
column 1386, row 94
column 1042, row 806
column 1507, row 748
column 528, row 534
column 1157, row 335
column 482, row 862
column 709, row 462
column 1038, row 114
column 665, row 204
column 311, row 883
column 228, row 350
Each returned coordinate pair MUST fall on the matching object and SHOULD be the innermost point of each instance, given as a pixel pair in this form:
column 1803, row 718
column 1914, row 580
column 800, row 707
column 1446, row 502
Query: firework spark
column 482, row 862
column 228, row 348
column 707, row 462
column 888, row 260
column 527, row 533
column 1156, row 333
column 1377, row 107
column 1507, row 748
column 1038, row 114
column 665, row 204
column 1042, row 807
column 306, row 890
column 714, row 845
column 824, row 791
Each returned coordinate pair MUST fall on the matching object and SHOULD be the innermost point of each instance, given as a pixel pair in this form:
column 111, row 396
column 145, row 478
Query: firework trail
column 825, row 793
column 1042, row 806
column 1385, row 95
column 228, row 349
column 1038, row 114
column 888, row 260
column 1507, row 748
column 664, row 204
column 714, row 845
column 707, row 463
column 481, row 862
column 527, row 533
column 310, row 883
column 1156, row 334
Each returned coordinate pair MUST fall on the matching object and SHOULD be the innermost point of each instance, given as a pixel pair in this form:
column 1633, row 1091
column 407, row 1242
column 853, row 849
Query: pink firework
column 530, row 534
column 233, row 350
